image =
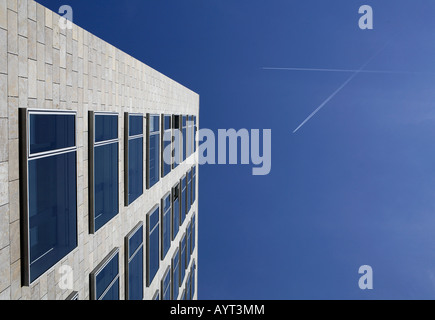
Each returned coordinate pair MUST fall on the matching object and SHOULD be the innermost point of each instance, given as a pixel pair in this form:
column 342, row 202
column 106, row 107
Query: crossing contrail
column 346, row 70
column 354, row 74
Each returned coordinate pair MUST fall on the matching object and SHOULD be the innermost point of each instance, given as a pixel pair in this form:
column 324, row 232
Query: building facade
column 90, row 205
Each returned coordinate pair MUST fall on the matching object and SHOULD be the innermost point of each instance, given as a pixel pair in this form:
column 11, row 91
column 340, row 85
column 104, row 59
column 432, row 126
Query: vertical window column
column 153, row 244
column 175, row 270
column 178, row 141
column 189, row 191
column 134, row 264
column 183, row 199
column 166, row 145
column 133, row 157
column 166, row 285
column 184, row 123
column 153, row 150
column 183, row 259
column 103, row 169
column 104, row 279
column 48, row 195
column 166, row 225
column 175, row 210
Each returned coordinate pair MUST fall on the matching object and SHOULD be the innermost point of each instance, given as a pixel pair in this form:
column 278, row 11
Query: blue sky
column 354, row 186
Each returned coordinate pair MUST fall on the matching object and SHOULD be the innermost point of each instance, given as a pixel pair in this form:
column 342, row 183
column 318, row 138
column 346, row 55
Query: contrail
column 346, row 70
column 340, row 88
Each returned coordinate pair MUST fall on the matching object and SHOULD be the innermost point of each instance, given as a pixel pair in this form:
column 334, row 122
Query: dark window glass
column 188, row 242
column 193, row 185
column 135, row 169
column 188, row 289
column 153, row 150
column 106, row 127
column 135, row 276
column 175, row 276
column 193, row 279
column 175, row 211
column 107, row 280
column 153, row 245
column 189, row 135
column 135, row 241
column 166, row 285
column 135, row 126
column 166, row 227
column 184, row 138
column 135, row 268
column 166, row 163
column 52, row 210
column 194, row 133
column 50, row 132
column 183, row 199
column 193, row 233
column 113, row 292
column 182, row 259
column 105, row 183
column 189, row 190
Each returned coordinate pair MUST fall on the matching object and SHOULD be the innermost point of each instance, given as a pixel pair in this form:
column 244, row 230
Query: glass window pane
column 154, row 218
column 154, row 123
column 135, row 126
column 154, row 254
column 135, row 241
column 105, row 183
column 175, row 276
column 135, row 276
column 166, row 286
column 106, row 127
column 154, row 156
column 175, row 218
column 166, row 231
column 51, row 132
column 135, row 169
column 113, row 292
column 52, row 210
column 106, row 275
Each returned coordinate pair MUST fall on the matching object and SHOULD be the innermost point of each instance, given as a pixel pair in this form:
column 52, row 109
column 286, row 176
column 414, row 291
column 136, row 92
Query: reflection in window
column 134, row 264
column 49, row 181
column 103, row 161
column 153, row 149
column 104, row 279
column 133, row 157
column 153, row 248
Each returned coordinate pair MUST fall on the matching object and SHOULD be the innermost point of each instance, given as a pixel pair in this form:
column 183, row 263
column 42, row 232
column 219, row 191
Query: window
column 103, row 169
column 134, row 263
column 195, row 128
column 193, row 274
column 156, row 295
column 184, row 137
column 188, row 287
column 183, row 199
column 166, row 224
column 182, row 258
column 73, row 296
column 175, row 210
column 188, row 242
column 193, row 184
column 189, row 190
column 153, row 149
column 48, row 178
column 183, row 295
column 104, row 279
column 178, row 145
column 166, row 285
column 133, row 157
column 190, row 133
column 175, row 270
column 166, row 143
column 153, row 246
column 193, row 233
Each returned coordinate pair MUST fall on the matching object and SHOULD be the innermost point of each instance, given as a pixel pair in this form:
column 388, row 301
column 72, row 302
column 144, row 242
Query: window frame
column 148, row 153
column 173, row 214
column 91, row 150
column 162, row 284
column 93, row 276
column 162, row 219
column 174, row 256
column 183, row 200
column 176, row 118
column 24, row 156
column 162, row 143
column 148, row 248
column 127, row 258
column 127, row 139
